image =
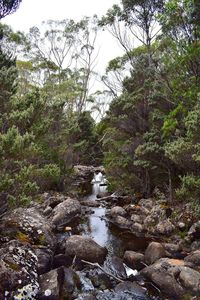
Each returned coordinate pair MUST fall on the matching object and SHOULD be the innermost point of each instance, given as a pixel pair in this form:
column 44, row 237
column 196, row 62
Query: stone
column 136, row 218
column 134, row 260
column 18, row 271
column 194, row 231
column 172, row 250
column 28, row 225
column 164, row 273
column 49, row 285
column 90, row 203
column 132, row 288
column 117, row 211
column 47, row 211
column 153, row 252
column 193, row 258
column 137, row 228
column 147, row 203
column 181, row 225
column 61, row 260
column 65, row 212
column 85, row 248
column 165, row 227
column 122, row 222
column 115, row 266
column 190, row 279
column 44, row 257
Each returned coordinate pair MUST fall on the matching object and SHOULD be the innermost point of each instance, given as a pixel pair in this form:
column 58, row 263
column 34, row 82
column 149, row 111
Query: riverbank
column 97, row 247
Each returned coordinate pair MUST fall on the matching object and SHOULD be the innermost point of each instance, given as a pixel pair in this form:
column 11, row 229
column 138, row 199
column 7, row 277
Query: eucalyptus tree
column 8, row 7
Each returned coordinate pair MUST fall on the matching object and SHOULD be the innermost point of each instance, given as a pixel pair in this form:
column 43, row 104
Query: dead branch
column 98, row 266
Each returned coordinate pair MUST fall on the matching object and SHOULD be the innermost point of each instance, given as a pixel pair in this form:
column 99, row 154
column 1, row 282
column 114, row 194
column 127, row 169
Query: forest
column 100, row 173
column 148, row 138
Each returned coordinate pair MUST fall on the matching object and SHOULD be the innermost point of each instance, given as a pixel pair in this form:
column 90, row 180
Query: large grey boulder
column 18, row 271
column 27, row 225
column 134, row 260
column 193, row 258
column 117, row 211
column 65, row 212
column 164, row 273
column 85, row 248
column 153, row 252
column 190, row 279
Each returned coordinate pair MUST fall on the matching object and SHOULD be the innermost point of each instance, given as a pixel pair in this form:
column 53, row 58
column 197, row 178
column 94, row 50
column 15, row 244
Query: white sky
column 33, row 12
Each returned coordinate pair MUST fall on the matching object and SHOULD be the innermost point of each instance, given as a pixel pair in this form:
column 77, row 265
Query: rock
column 115, row 266
column 85, row 248
column 164, row 227
column 18, row 271
column 193, row 258
column 49, row 286
column 147, row 203
column 153, row 252
column 131, row 287
column 190, row 279
column 65, row 212
column 194, row 231
column 164, row 273
column 90, row 203
column 195, row 245
column 137, row 228
column 61, row 260
column 173, row 250
column 122, row 222
column 53, row 201
column 136, row 218
column 181, row 225
column 134, row 260
column 70, row 283
column 117, row 211
column 45, row 257
column 47, row 211
column 29, row 226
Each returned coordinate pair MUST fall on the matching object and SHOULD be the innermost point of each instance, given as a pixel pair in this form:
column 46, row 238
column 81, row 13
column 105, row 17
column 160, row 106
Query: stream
column 115, row 240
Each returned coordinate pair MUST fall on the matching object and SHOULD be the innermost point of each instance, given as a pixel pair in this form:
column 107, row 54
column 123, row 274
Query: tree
column 8, row 7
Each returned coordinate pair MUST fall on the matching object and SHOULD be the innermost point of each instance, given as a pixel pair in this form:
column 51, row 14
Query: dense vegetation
column 150, row 135
column 152, row 128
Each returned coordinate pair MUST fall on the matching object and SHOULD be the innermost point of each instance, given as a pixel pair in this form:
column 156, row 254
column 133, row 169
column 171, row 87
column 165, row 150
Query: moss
column 24, row 238
column 13, row 266
column 41, row 240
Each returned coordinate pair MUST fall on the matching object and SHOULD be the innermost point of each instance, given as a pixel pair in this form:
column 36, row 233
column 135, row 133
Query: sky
column 33, row 12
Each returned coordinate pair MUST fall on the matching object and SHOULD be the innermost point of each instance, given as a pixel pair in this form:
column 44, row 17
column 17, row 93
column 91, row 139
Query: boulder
column 49, row 286
column 121, row 222
column 147, row 203
column 58, row 284
column 172, row 250
column 137, row 228
column 194, row 231
column 85, row 248
column 65, row 212
column 28, row 225
column 44, row 259
column 131, row 287
column 134, row 260
column 90, row 203
column 164, row 227
column 115, row 266
column 153, row 252
column 164, row 273
column 190, row 280
column 136, row 218
column 117, row 211
column 193, row 258
column 18, row 271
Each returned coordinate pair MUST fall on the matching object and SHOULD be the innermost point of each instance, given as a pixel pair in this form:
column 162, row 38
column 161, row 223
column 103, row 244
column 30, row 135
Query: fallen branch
column 98, row 266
